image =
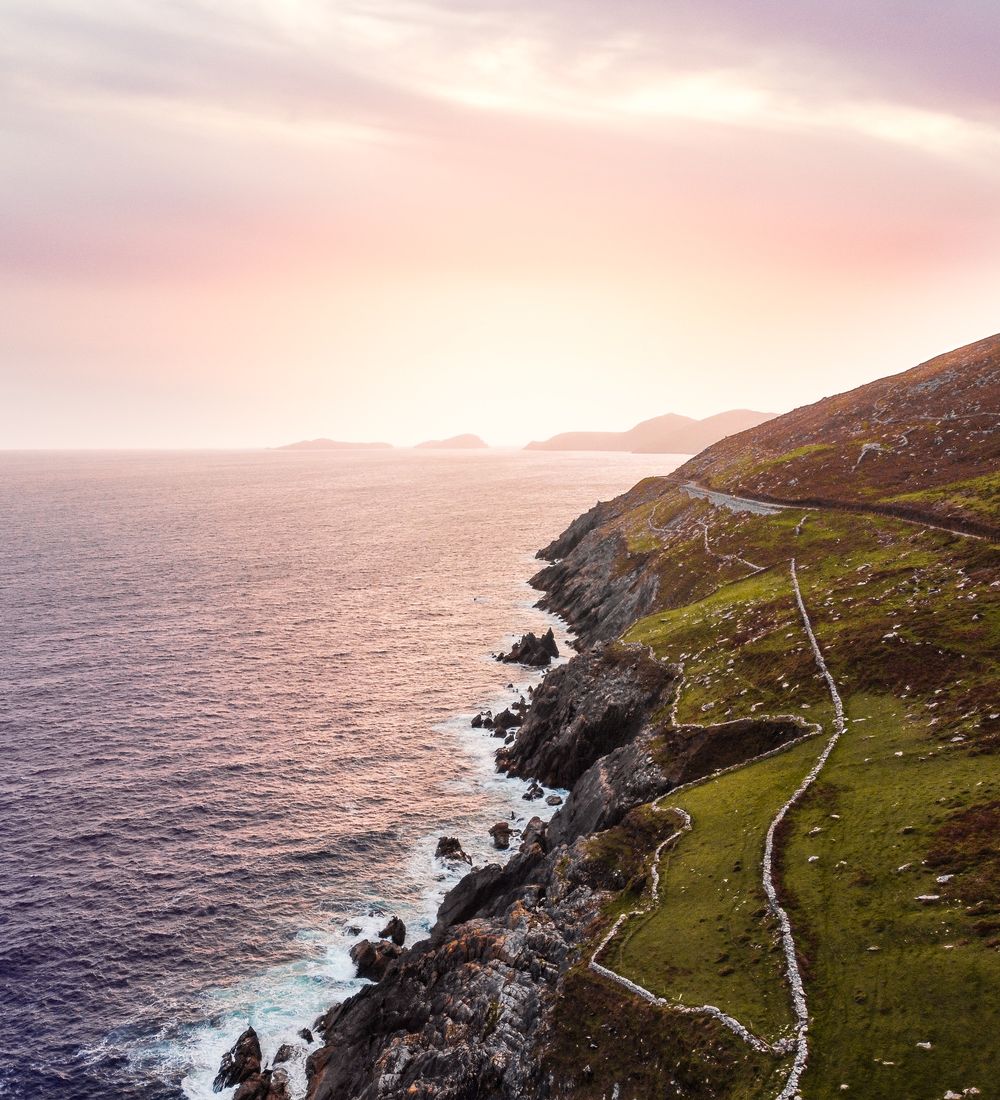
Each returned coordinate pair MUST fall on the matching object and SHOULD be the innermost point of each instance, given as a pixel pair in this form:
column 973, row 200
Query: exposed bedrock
column 532, row 651
column 457, row 1017
column 585, row 709
column 601, row 589
column 465, row 1014
column 594, row 583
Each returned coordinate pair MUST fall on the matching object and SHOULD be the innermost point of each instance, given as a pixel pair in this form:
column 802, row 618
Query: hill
column 927, row 439
column 332, row 445
column 455, row 443
column 668, row 434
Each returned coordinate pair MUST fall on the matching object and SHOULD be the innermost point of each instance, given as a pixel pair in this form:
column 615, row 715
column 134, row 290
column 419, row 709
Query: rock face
column 395, row 930
column 594, row 582
column 459, row 1012
column 532, row 651
column 372, row 959
column 584, row 710
column 239, row 1063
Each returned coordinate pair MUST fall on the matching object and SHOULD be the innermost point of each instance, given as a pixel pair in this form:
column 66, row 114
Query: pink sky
column 240, row 224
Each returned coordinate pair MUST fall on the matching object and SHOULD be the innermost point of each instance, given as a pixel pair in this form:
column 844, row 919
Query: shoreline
column 439, row 876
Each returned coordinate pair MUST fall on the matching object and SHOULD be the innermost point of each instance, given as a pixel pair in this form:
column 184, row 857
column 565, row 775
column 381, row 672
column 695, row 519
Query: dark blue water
column 234, row 702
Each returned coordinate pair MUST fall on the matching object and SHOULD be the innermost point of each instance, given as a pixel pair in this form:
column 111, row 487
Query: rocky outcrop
column 395, row 930
column 500, row 833
column 586, row 709
column 505, row 720
column 450, row 848
column 466, row 1014
column 594, row 582
column 460, row 1013
column 240, row 1063
column 532, row 651
column 371, row 960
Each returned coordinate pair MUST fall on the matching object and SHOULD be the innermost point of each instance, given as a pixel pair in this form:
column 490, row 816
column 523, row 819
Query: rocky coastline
column 471, row 1011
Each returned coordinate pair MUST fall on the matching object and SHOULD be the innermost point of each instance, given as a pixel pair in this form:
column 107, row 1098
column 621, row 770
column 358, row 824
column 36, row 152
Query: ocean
column 235, row 702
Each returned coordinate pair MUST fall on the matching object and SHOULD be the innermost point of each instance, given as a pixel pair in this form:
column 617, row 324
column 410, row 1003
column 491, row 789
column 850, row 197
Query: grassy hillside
column 928, row 437
column 889, row 864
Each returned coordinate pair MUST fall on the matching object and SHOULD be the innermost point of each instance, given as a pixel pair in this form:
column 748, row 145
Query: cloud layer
column 256, row 216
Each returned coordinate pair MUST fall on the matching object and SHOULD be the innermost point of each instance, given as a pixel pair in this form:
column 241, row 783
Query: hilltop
column 668, row 434
column 777, row 869
column 455, row 443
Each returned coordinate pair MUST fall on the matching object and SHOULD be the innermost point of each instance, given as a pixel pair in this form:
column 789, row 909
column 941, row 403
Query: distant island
column 455, row 443
column 668, row 434
column 333, row 445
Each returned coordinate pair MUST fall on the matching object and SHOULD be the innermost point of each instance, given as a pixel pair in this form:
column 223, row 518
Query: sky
column 230, row 223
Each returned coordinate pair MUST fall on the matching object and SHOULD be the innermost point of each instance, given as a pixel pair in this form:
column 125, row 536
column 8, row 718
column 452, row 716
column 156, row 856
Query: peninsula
column 777, row 872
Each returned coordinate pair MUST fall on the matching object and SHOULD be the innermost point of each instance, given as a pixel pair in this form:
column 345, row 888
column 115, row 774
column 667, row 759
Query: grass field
column 890, row 865
column 712, row 940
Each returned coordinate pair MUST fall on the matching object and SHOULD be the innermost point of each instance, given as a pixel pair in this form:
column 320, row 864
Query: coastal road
column 762, row 507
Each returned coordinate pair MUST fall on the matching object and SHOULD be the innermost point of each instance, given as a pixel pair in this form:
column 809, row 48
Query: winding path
column 799, row 1042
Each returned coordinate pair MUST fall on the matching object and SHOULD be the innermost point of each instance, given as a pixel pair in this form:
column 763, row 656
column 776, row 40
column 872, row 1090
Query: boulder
column 305, row 1033
column 506, row 720
column 269, row 1085
column 372, row 959
column 241, row 1062
column 450, row 847
column 501, row 835
column 483, row 720
column 395, row 930
column 283, row 1053
column 533, row 793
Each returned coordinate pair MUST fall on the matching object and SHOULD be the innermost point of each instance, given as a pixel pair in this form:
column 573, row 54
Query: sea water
column 235, row 702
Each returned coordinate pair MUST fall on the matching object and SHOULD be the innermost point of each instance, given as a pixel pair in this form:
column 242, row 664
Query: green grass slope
column 889, row 867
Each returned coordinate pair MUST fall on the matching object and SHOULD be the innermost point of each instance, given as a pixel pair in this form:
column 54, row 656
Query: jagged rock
column 240, row 1062
column 395, row 930
column 501, row 835
column 506, row 720
column 585, row 709
column 533, row 793
column 283, row 1053
column 534, row 833
column 450, row 847
column 483, row 720
column 372, row 959
column 532, row 651
column 305, row 1033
